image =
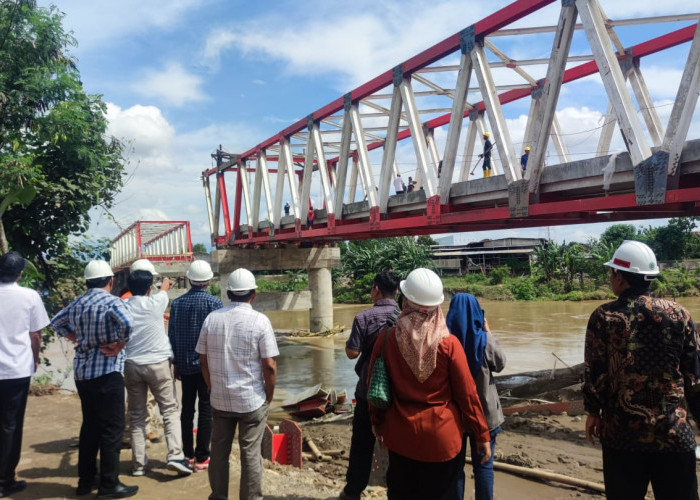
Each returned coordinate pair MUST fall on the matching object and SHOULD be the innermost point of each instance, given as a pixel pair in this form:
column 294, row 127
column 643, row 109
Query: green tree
column 674, row 241
column 617, row 233
column 401, row 255
column 55, row 161
column 199, row 248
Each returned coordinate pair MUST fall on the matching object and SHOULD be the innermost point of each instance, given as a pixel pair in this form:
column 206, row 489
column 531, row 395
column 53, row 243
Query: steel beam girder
column 257, row 190
column 606, row 132
column 342, row 165
column 353, row 179
column 308, row 176
column 455, row 128
column 499, row 129
column 559, row 144
column 326, row 183
column 365, row 167
column 646, row 104
column 613, row 80
column 432, row 151
column 274, row 212
column 245, row 186
column 286, row 158
column 683, row 107
column 550, row 93
column 279, row 191
column 469, row 144
column 420, row 146
column 389, row 156
column 210, row 213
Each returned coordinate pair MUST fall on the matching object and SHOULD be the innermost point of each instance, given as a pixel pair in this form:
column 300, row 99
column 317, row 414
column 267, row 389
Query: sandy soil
column 49, row 460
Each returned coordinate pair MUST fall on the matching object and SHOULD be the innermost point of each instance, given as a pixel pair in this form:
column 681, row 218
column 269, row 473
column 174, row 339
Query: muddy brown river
column 531, row 333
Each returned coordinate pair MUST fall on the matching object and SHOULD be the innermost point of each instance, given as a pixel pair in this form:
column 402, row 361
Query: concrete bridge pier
column 318, row 262
column 321, row 312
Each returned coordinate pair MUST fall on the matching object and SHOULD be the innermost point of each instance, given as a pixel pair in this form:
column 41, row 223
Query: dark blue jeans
column 361, row 450
column 195, row 388
column 13, row 402
column 483, row 473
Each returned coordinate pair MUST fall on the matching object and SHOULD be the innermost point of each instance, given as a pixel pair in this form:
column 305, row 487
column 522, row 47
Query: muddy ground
column 49, row 459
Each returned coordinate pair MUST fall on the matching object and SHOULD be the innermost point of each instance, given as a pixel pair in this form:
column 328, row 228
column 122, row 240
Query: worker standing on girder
column 486, row 155
column 523, row 159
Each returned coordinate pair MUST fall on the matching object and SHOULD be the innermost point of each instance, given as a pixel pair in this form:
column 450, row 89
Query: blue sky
column 182, row 76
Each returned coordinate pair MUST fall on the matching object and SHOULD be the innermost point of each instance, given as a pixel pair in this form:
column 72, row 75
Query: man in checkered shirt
column 237, row 350
column 100, row 324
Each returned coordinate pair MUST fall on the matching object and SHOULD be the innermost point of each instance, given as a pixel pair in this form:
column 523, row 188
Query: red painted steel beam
column 578, row 211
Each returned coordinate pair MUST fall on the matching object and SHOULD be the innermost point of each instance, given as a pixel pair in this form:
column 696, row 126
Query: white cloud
column 171, row 85
column 95, row 23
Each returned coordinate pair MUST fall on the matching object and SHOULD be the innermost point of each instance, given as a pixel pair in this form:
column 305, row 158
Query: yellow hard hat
column 527, row 148
column 486, row 134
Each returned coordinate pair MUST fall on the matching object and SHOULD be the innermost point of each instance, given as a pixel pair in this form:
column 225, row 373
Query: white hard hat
column 199, row 270
column 634, row 257
column 97, row 269
column 423, row 287
column 143, row 265
column 241, row 280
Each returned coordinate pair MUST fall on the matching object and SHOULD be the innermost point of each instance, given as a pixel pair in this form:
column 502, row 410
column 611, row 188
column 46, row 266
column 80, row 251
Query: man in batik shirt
column 641, row 377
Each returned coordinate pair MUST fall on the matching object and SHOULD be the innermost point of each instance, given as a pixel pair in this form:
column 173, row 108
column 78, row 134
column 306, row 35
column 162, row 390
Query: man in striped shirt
column 99, row 324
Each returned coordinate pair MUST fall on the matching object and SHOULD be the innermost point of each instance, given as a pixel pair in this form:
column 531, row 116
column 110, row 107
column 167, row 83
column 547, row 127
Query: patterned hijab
column 419, row 331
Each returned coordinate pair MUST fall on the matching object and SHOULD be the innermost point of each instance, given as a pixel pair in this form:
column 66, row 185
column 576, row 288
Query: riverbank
column 553, row 443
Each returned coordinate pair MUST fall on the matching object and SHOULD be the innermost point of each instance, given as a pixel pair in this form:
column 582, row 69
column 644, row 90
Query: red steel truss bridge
column 426, row 116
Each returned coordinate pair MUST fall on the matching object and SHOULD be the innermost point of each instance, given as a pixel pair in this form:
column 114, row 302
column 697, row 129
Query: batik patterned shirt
column 642, row 374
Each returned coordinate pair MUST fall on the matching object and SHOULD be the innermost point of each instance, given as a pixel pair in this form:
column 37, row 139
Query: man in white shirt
column 147, row 366
column 22, row 317
column 399, row 186
column 237, row 350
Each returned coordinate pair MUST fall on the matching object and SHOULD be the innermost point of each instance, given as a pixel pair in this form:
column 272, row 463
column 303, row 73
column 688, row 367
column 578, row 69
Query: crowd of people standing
column 641, row 381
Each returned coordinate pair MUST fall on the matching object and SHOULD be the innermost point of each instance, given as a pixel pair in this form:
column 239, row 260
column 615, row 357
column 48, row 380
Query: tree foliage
column 55, row 161
column 401, row 255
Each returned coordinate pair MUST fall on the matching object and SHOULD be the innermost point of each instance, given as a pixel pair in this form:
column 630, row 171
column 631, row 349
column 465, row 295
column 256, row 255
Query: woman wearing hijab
column 434, row 397
column 466, row 322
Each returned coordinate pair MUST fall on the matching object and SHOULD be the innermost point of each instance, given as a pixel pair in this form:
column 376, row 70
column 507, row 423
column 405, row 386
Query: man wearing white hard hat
column 237, row 350
column 187, row 314
column 100, row 325
column 147, row 367
column 641, row 378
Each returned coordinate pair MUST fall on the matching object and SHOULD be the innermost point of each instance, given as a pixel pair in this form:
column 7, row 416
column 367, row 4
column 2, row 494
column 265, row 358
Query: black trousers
column 13, row 402
column 194, row 387
column 102, row 402
column 409, row 479
column 627, row 475
column 361, row 449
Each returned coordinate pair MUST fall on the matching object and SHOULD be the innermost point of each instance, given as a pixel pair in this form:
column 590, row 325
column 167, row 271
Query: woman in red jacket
column 434, row 396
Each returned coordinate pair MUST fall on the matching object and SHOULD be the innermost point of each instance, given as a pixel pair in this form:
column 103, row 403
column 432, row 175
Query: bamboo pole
column 547, row 476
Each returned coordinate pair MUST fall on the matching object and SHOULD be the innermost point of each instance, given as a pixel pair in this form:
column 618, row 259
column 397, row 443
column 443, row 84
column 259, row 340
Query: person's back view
column 187, row 314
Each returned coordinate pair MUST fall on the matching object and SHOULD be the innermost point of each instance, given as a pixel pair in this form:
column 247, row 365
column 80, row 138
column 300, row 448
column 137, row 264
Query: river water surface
column 531, row 333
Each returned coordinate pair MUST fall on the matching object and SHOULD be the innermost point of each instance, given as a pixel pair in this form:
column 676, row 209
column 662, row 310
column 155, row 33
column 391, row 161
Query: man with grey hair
column 22, row 317
column 237, row 350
